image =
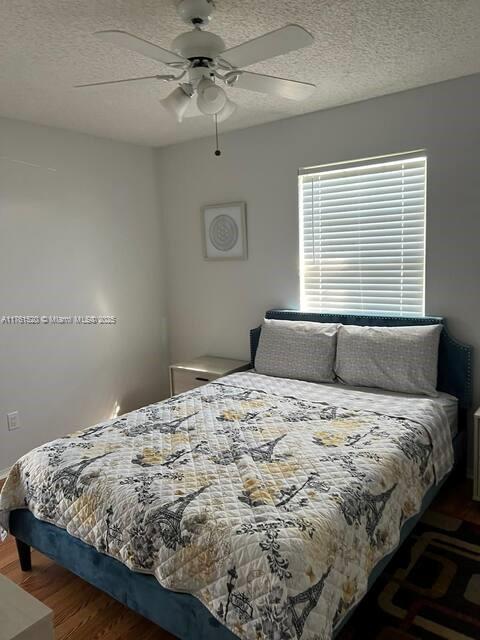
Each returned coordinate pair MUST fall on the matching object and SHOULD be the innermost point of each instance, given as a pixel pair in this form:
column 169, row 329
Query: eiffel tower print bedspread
column 269, row 500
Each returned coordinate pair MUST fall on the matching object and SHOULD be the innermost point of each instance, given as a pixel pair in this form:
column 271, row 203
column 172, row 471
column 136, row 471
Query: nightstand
column 189, row 375
column 22, row 616
column 476, row 455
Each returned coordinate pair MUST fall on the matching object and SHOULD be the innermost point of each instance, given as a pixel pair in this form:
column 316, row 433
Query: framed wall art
column 225, row 231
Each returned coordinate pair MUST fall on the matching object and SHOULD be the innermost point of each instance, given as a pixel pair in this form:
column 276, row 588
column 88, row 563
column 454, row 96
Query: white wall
column 83, row 239
column 213, row 305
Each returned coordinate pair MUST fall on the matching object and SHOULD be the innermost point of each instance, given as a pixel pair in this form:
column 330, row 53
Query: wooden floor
column 455, row 500
column 85, row 613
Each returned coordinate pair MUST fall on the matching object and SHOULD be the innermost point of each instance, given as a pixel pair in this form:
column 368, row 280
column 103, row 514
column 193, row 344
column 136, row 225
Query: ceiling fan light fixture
column 211, row 98
column 176, row 103
column 202, row 62
column 227, row 111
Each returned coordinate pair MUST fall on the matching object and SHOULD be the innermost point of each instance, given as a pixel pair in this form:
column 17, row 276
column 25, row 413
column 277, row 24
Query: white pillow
column 300, row 350
column 401, row 359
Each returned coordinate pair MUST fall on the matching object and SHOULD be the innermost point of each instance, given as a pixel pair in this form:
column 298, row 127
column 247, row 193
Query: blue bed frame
column 179, row 613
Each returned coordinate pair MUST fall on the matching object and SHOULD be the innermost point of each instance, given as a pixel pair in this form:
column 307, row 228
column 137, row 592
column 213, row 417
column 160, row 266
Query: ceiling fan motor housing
column 196, row 12
column 198, row 44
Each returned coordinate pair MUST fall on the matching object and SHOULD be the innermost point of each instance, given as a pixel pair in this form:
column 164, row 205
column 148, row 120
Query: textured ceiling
column 362, row 49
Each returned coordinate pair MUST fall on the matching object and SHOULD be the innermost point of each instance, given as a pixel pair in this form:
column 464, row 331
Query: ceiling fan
column 202, row 64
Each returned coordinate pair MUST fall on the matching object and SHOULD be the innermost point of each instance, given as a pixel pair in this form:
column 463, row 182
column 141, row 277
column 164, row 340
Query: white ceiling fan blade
column 291, row 89
column 134, row 43
column 98, row 84
column 289, row 38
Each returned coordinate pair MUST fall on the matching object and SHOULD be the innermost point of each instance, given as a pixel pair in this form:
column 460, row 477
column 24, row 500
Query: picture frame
column 224, row 231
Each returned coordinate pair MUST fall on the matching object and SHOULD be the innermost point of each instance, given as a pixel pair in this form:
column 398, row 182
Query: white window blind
column 362, row 237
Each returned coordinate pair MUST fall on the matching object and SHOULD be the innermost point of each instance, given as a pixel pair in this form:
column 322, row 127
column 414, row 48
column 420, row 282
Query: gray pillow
column 300, row 350
column 395, row 358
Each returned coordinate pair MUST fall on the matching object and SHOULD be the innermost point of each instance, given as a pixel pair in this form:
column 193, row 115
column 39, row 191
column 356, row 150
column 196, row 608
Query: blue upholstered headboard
column 454, row 358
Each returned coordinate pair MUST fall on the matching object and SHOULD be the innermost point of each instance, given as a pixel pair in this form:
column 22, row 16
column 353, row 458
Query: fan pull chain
column 217, row 150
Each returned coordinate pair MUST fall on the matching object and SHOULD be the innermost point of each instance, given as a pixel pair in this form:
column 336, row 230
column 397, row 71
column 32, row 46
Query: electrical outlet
column 13, row 421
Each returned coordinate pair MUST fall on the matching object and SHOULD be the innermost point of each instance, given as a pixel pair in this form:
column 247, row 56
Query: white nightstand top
column 212, row 364
column 22, row 615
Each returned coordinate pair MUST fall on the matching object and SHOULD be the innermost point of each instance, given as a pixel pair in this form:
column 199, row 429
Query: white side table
column 476, row 455
column 22, row 617
column 199, row 371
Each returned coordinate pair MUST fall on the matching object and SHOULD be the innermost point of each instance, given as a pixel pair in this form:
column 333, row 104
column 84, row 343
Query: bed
column 240, row 491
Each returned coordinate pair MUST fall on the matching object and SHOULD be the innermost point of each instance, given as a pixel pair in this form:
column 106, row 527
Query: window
column 362, row 236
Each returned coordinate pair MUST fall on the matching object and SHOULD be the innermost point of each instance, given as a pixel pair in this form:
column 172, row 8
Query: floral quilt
column 272, row 508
